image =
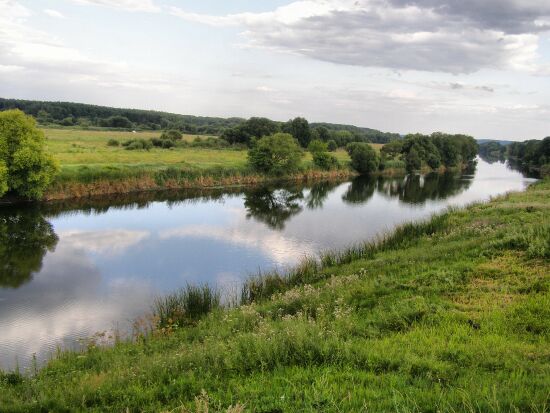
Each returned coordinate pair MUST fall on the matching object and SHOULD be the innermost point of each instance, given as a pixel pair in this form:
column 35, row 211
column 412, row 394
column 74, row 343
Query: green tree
column 332, row 146
column 25, row 168
column 413, row 161
column 299, row 128
column 173, row 135
column 364, row 158
column 278, row 154
column 321, row 158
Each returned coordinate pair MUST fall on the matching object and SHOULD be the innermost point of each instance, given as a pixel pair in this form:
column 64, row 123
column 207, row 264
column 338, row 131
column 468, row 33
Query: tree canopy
column 278, row 154
column 25, row 167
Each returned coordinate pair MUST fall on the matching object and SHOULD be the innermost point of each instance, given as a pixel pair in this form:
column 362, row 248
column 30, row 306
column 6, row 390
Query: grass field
column 75, row 148
column 449, row 315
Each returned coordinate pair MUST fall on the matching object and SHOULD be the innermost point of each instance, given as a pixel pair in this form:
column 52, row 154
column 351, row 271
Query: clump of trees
column 435, row 150
column 322, row 159
column 364, row 159
column 253, row 128
column 25, row 168
column 532, row 154
column 278, row 154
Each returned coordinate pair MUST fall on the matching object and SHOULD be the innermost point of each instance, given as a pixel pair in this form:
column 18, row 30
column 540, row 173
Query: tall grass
column 186, row 306
column 264, row 285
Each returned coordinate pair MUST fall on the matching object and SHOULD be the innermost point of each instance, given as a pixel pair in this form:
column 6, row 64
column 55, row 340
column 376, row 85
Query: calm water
column 70, row 270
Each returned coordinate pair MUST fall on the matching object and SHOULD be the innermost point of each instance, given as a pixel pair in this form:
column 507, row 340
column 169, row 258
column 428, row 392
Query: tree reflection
column 25, row 237
column 360, row 190
column 273, row 207
column 318, row 194
column 417, row 189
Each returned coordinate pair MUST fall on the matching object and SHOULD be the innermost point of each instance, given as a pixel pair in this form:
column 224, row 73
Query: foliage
column 321, row 158
column 172, row 135
column 278, row 154
column 437, row 149
column 332, row 145
column 113, row 142
column 100, row 116
column 25, row 167
column 137, row 144
column 299, row 128
column 364, row 158
column 531, row 155
column 392, row 149
column 249, row 130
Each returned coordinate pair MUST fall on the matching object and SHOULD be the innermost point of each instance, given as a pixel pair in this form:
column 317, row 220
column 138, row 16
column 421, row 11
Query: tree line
column 432, row 151
column 529, row 156
column 81, row 115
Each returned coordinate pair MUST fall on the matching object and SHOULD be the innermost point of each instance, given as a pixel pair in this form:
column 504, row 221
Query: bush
column 138, row 144
column 325, row 161
column 113, row 142
column 278, row 154
column 332, row 145
column 25, row 167
column 364, row 158
column 172, row 135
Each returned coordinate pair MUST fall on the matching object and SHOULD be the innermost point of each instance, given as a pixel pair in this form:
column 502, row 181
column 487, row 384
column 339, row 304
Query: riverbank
column 447, row 315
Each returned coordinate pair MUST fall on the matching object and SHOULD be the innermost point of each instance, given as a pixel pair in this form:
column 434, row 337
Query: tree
column 332, row 146
column 392, row 149
column 299, row 128
column 413, row 161
column 277, row 154
column 364, row 158
column 173, row 135
column 321, row 158
column 25, row 168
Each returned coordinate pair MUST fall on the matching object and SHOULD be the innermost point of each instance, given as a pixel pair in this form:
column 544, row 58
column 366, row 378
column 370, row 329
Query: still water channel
column 69, row 270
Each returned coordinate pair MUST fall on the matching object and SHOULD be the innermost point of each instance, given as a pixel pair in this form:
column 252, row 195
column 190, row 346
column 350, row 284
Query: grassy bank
column 448, row 315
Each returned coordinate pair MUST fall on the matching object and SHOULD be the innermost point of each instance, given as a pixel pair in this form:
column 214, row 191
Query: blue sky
column 481, row 68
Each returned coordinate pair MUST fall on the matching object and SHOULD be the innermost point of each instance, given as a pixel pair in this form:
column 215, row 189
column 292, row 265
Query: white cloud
column 107, row 242
column 128, row 5
column 54, row 13
column 398, row 34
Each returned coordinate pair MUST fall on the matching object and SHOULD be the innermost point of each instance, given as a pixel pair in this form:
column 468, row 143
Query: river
column 69, row 270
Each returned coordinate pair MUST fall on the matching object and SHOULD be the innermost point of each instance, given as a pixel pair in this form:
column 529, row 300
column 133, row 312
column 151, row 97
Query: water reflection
column 273, row 206
column 70, row 269
column 25, row 237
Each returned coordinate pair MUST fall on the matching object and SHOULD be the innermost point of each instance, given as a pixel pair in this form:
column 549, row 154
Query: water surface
column 68, row 270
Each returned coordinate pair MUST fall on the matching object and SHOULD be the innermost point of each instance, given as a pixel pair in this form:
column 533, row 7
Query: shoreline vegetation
column 448, row 314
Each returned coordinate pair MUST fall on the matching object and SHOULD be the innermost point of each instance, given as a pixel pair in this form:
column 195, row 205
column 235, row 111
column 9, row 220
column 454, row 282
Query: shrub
column 113, row 142
column 25, row 167
column 278, row 154
column 364, row 158
column 172, row 135
column 325, row 161
column 332, row 145
column 137, row 144
column 413, row 161
column 317, row 146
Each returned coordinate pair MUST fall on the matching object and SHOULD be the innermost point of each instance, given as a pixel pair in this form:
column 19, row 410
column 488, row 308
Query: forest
column 78, row 115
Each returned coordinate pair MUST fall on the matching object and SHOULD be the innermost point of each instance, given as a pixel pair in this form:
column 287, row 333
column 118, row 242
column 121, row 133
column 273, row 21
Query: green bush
column 137, row 144
column 364, row 158
column 113, row 142
column 325, row 161
column 278, row 154
column 332, row 145
column 25, row 167
column 172, row 135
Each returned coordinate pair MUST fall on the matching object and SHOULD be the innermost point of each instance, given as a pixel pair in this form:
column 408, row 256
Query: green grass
column 450, row 315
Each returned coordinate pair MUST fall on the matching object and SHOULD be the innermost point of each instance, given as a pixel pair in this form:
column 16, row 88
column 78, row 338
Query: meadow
column 447, row 315
column 90, row 167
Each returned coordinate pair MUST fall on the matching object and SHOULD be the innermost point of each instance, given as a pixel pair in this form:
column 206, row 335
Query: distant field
column 76, row 148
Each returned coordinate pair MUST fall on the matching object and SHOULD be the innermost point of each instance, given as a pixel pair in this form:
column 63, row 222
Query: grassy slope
column 448, row 316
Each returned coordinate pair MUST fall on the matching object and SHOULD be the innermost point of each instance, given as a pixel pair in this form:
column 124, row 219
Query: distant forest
column 86, row 116
column 531, row 155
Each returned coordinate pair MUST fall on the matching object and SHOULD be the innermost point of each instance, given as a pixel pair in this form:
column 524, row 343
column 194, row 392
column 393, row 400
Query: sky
column 469, row 66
